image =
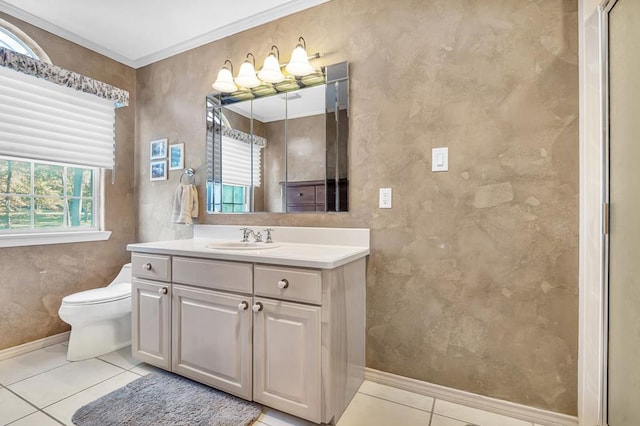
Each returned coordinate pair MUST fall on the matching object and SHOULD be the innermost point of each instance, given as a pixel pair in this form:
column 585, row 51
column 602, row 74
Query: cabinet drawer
column 153, row 266
column 301, row 194
column 215, row 274
column 301, row 208
column 302, row 285
column 320, row 194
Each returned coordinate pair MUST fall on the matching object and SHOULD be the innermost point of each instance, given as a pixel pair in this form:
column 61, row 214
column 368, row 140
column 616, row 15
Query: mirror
column 280, row 148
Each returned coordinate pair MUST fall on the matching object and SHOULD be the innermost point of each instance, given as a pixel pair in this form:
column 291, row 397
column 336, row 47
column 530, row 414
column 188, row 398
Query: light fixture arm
column 230, row 65
column 253, row 58
column 277, row 55
column 304, row 42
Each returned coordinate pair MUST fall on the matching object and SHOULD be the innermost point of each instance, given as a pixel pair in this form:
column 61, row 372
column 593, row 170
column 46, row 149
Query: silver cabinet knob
column 163, row 290
column 283, row 283
column 257, row 307
column 146, row 266
column 243, row 306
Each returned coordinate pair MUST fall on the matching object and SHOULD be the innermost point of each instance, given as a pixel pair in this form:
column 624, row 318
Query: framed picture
column 176, row 156
column 158, row 149
column 158, row 170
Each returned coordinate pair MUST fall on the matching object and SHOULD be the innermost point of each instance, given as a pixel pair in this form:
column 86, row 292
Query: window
column 53, row 143
column 13, row 38
column 233, row 198
column 39, row 195
column 10, row 41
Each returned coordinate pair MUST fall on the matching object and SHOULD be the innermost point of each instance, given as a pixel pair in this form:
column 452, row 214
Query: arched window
column 43, row 201
column 13, row 38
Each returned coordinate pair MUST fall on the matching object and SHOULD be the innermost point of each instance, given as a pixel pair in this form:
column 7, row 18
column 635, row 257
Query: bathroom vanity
column 280, row 324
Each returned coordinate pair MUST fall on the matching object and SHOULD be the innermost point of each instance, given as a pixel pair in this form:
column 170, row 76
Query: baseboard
column 498, row 406
column 34, row 346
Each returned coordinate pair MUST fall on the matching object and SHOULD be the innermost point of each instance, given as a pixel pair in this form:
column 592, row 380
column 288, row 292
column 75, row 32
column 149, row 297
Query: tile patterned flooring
column 42, row 388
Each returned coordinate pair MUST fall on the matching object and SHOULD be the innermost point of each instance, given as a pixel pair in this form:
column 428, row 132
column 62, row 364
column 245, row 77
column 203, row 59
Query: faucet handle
column 268, row 231
column 245, row 235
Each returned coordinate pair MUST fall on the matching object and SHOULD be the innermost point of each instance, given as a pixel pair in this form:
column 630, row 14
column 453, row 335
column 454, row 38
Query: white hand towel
column 185, row 204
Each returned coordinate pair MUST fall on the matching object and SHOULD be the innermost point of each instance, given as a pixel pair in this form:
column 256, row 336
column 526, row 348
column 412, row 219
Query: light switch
column 440, row 159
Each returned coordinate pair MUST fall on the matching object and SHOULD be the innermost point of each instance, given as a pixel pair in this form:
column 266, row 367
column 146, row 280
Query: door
column 151, row 322
column 286, row 360
column 624, row 199
column 212, row 338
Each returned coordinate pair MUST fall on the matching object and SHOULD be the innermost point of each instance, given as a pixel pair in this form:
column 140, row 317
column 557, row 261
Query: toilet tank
column 124, row 276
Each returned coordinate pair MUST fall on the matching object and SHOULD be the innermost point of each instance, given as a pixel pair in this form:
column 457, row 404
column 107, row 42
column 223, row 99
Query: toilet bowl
column 100, row 318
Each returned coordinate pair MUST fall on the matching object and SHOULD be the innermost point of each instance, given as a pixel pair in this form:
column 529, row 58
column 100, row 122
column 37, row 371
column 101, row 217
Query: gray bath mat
column 163, row 398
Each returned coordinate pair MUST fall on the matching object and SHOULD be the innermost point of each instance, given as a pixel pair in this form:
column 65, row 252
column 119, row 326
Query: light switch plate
column 440, row 159
column 385, row 198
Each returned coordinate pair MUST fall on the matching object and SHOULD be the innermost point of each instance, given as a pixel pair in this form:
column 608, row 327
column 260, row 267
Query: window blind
column 239, row 166
column 41, row 120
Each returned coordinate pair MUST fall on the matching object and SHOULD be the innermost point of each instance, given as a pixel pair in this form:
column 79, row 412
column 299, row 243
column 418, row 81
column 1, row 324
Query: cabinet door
column 286, row 357
column 212, row 338
column 151, row 322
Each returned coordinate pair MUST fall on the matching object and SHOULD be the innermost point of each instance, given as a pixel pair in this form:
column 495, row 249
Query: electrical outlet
column 385, row 198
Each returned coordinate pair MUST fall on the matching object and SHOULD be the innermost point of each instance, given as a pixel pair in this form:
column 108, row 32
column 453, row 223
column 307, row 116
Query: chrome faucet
column 268, row 231
column 247, row 232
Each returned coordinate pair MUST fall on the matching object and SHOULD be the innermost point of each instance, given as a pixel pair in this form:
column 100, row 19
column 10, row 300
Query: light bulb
column 224, row 82
column 247, row 76
column 299, row 64
column 270, row 71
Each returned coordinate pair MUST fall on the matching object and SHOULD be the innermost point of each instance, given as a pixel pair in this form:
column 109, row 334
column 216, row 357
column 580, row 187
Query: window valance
column 62, row 77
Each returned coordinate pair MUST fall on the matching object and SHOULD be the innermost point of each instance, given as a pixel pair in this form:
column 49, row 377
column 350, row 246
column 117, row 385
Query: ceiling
column 297, row 104
column 140, row 32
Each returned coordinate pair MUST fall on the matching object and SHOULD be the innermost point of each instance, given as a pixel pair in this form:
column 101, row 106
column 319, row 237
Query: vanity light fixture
column 224, row 83
column 247, row 74
column 299, row 64
column 270, row 71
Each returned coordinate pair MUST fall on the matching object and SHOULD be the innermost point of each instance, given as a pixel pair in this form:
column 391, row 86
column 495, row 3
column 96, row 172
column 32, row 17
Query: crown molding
column 228, row 30
column 281, row 11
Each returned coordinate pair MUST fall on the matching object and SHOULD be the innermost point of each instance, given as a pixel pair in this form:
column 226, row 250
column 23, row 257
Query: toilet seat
column 99, row 295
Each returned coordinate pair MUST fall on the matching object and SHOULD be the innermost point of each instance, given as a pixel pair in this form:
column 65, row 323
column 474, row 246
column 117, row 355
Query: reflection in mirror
column 281, row 153
column 233, row 161
column 337, row 111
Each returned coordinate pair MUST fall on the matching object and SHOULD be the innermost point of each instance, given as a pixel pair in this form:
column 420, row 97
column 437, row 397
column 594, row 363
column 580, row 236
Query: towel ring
column 190, row 173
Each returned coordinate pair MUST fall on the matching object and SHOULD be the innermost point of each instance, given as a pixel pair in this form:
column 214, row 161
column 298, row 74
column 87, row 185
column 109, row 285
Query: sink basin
column 237, row 245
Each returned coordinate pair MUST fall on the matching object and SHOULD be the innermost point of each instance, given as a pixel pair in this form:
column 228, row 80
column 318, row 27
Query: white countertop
column 323, row 248
column 323, row 256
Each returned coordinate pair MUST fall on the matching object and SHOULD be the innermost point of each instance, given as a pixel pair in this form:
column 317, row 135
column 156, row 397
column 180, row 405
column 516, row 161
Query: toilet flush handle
column 163, row 290
column 147, row 266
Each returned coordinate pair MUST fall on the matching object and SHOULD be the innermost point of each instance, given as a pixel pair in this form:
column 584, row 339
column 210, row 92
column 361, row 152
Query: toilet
column 100, row 318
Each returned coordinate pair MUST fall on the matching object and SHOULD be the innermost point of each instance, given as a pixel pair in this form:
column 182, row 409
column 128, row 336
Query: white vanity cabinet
column 286, row 357
column 151, row 309
column 212, row 330
column 212, row 338
column 288, row 337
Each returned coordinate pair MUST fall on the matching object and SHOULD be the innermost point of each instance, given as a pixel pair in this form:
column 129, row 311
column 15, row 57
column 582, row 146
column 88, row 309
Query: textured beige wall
column 306, row 149
column 33, row 280
column 472, row 278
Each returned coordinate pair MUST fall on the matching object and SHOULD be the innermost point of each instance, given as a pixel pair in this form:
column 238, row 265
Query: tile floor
column 42, row 388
